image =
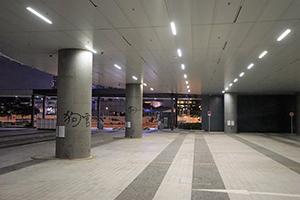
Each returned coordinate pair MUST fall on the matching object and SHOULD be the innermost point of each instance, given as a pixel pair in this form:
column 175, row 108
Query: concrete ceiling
column 216, row 46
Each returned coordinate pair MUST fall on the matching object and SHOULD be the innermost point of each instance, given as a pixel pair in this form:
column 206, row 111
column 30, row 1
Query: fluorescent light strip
column 226, row 89
column 242, row 74
column 173, row 28
column 135, row 78
column 284, row 34
column 144, row 84
column 151, row 89
column 186, row 82
column 90, row 48
column 188, row 86
column 250, row 66
column 179, row 52
column 185, row 76
column 117, row 66
column 39, row 15
column 230, row 84
column 223, row 91
column 235, row 80
column 182, row 66
column 262, row 54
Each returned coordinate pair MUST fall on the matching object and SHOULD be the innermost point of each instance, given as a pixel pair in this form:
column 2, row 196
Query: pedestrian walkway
column 162, row 165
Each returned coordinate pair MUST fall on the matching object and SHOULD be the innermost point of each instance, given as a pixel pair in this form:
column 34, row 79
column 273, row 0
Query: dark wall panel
column 216, row 105
column 265, row 113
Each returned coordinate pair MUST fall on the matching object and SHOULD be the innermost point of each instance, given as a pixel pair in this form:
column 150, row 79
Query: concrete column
column 74, row 96
column 176, row 112
column 172, row 114
column 44, row 107
column 297, row 114
column 33, row 110
column 98, row 111
column 230, row 112
column 134, row 110
column 100, row 124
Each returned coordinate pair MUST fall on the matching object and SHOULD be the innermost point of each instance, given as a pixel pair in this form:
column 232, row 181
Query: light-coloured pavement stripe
column 246, row 192
column 64, row 179
column 146, row 184
column 240, row 169
column 177, row 183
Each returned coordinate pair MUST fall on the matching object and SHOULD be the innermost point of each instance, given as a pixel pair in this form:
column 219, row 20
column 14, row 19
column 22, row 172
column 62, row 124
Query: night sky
column 14, row 76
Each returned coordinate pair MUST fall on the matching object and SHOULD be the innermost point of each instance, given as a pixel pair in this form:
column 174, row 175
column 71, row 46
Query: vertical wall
column 297, row 113
column 265, row 113
column 230, row 113
column 214, row 103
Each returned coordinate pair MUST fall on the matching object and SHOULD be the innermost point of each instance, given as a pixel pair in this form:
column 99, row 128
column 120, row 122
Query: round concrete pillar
column 230, row 113
column 74, row 94
column 134, row 110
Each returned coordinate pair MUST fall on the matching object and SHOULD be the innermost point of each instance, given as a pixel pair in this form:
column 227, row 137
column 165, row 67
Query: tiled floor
column 161, row 165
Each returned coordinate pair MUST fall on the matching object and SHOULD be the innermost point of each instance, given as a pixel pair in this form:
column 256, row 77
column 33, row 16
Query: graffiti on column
column 87, row 119
column 75, row 118
column 132, row 110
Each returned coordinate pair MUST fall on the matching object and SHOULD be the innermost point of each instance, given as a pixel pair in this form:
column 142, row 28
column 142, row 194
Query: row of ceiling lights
column 285, row 33
column 86, row 46
column 173, row 27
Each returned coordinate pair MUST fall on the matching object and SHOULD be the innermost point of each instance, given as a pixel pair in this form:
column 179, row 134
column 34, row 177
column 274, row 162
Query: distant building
column 54, row 82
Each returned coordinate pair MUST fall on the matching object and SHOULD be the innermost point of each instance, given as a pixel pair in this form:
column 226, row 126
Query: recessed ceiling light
column 226, row 89
column 235, row 80
column 117, row 66
column 284, row 34
column 179, row 52
column 185, row 76
column 242, row 74
column 223, row 91
column 144, row 84
column 182, row 66
column 230, row 84
column 151, row 89
column 262, row 54
column 135, row 78
column 188, row 86
column 186, row 82
column 90, row 48
column 250, row 66
column 189, row 90
column 39, row 15
column 173, row 28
